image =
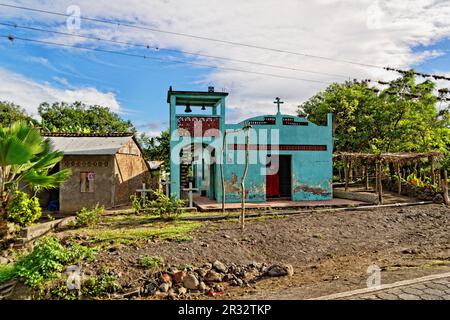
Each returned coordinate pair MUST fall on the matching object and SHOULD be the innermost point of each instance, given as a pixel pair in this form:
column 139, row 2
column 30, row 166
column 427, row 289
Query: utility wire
column 13, row 38
column 233, row 43
column 170, row 50
column 436, row 77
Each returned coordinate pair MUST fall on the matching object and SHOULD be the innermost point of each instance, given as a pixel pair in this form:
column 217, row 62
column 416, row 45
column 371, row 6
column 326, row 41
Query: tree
column 10, row 113
column 80, row 118
column 25, row 161
column 401, row 118
column 156, row 148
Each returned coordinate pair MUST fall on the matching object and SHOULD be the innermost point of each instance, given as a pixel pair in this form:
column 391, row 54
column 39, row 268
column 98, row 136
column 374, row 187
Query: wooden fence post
column 379, row 182
column 399, row 179
column 346, row 173
column 444, row 186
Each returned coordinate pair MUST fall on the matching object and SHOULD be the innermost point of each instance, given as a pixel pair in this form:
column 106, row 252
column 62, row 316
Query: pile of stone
column 210, row 279
column 421, row 193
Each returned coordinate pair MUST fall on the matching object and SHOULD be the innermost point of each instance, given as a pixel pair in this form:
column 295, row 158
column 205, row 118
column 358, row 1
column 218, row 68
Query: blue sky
column 407, row 34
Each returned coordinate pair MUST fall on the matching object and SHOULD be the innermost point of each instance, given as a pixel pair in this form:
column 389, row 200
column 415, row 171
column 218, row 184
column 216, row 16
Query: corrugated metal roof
column 89, row 145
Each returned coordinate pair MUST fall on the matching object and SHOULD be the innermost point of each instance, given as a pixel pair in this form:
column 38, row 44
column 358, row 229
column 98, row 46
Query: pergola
column 397, row 159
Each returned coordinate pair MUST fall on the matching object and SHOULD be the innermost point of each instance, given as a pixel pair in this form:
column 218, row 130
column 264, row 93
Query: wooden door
column 273, row 182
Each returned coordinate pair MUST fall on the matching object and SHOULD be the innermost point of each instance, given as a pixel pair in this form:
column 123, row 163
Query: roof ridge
column 88, row 135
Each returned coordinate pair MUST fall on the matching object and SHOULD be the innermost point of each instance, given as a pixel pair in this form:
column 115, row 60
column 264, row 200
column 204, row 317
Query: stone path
column 429, row 290
column 435, row 287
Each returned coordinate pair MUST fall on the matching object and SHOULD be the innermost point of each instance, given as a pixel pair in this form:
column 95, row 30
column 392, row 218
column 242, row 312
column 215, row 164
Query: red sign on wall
column 199, row 126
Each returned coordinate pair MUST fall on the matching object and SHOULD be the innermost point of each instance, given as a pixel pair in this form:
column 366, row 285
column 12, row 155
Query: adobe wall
column 71, row 198
column 130, row 171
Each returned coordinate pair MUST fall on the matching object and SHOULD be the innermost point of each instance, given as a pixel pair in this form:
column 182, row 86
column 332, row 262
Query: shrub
column 168, row 208
column 91, row 287
column 89, row 217
column 151, row 262
column 22, row 210
column 6, row 273
column 48, row 259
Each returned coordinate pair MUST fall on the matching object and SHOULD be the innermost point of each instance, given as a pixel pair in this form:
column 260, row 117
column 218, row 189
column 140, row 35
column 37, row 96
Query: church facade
column 283, row 156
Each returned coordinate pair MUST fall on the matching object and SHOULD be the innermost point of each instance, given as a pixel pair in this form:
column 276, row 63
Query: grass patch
column 151, row 262
column 7, row 272
column 121, row 231
column 436, row 263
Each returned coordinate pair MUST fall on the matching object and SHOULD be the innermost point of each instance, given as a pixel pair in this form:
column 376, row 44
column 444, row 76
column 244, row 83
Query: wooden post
column 350, row 170
column 222, row 162
column 399, row 178
column 379, row 182
column 432, row 173
column 444, row 186
column 244, row 176
column 346, row 173
column 367, row 178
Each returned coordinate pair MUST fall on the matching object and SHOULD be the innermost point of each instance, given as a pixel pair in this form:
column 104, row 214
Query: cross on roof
column 278, row 102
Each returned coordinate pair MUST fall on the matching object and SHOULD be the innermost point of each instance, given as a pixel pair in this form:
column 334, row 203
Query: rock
column 439, row 199
column 280, row 270
column 228, row 277
column 207, row 266
column 219, row 266
column 4, row 260
column 201, row 272
column 151, row 288
column 179, row 276
column 219, row 288
column 202, row 286
column 191, row 282
column 226, row 236
column 166, row 278
column 256, row 265
column 182, row 291
column 164, row 287
column 205, row 245
column 213, row 276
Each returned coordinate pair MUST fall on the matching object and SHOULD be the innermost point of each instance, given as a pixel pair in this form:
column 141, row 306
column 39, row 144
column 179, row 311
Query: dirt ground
column 330, row 251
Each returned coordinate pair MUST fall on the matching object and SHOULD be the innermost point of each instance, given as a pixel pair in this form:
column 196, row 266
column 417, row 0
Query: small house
column 106, row 170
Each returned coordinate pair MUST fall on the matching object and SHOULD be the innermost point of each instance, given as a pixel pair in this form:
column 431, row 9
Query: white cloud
column 378, row 32
column 29, row 94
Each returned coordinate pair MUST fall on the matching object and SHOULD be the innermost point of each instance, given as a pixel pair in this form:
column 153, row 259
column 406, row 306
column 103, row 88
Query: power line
column 170, row 50
column 13, row 38
column 233, row 43
column 423, row 75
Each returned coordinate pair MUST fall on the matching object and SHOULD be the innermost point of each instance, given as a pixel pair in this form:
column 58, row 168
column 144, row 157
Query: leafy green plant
column 6, row 273
column 26, row 159
column 168, row 208
column 89, row 217
column 22, row 210
column 151, row 262
column 48, row 259
column 91, row 287
column 137, row 203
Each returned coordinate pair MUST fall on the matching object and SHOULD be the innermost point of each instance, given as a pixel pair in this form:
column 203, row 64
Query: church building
column 283, row 156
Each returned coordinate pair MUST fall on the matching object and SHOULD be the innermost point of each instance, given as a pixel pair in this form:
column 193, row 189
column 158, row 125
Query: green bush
column 91, row 287
column 89, row 217
column 48, row 259
column 151, row 262
column 22, row 210
column 168, row 208
column 7, row 273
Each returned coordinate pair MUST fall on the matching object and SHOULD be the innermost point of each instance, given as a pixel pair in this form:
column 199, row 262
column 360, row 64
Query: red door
column 273, row 185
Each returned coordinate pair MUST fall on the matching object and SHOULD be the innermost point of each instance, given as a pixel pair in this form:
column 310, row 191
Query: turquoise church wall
column 311, row 171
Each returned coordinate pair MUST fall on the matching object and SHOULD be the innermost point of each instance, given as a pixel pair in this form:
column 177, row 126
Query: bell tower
column 196, row 115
